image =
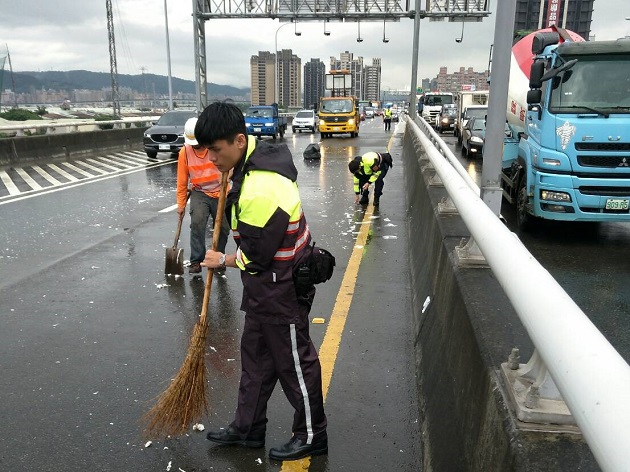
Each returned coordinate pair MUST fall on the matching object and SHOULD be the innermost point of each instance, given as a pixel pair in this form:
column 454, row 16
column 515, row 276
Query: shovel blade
column 174, row 264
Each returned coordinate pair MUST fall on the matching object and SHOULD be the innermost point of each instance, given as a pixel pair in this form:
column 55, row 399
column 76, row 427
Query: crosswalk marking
column 8, row 183
column 31, row 180
column 46, row 175
column 28, row 179
column 83, row 172
column 60, row 171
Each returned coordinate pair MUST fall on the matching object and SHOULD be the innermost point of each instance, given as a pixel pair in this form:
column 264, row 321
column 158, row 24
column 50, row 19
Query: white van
column 304, row 119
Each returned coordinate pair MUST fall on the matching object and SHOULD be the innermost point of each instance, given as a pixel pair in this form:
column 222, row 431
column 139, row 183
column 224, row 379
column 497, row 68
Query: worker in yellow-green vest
column 387, row 118
column 370, row 168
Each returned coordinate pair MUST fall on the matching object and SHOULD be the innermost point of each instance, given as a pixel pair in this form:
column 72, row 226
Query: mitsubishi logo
column 624, row 163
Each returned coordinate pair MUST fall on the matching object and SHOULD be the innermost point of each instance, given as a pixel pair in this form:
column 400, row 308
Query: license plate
column 617, row 204
column 257, row 130
column 165, row 147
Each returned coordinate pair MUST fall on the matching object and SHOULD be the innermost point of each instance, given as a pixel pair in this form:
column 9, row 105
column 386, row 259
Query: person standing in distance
column 387, row 118
column 272, row 238
column 370, row 168
column 195, row 167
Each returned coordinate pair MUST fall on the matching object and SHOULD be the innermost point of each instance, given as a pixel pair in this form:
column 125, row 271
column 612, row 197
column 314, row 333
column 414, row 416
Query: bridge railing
column 73, row 126
column 591, row 376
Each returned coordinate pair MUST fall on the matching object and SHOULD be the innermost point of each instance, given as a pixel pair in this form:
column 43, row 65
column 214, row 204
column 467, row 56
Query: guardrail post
column 532, row 393
column 447, row 207
column 468, row 254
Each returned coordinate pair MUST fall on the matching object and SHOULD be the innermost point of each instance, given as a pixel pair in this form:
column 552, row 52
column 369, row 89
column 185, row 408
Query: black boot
column 297, row 449
column 231, row 437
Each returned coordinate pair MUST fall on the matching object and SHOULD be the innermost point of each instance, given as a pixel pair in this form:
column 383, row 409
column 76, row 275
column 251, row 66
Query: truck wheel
column 524, row 221
column 293, row 130
column 151, row 154
column 281, row 132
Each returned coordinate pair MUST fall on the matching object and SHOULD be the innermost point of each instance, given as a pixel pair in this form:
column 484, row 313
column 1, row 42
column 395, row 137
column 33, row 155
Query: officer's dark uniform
column 272, row 234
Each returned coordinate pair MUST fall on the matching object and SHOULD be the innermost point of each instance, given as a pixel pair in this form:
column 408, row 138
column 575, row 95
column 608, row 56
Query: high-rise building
column 263, row 74
column 464, row 79
column 290, row 79
column 347, row 62
column 314, row 83
column 574, row 15
column 372, row 80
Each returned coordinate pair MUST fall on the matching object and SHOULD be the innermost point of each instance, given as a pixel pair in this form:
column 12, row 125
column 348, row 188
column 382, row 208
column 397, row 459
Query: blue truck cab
column 573, row 156
column 265, row 120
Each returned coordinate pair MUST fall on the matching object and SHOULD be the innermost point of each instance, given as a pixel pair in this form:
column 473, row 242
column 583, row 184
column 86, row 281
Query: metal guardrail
column 72, row 126
column 593, row 379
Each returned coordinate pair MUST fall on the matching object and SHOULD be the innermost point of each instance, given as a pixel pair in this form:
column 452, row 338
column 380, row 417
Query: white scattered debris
column 213, row 349
column 168, row 467
column 159, row 286
column 165, row 447
column 94, row 267
column 390, row 237
column 229, row 360
column 148, row 444
column 259, row 460
column 198, row 427
column 180, row 469
column 359, row 246
column 391, row 224
column 426, row 304
column 95, row 393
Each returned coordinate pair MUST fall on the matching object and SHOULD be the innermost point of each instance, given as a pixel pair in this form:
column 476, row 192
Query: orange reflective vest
column 201, row 172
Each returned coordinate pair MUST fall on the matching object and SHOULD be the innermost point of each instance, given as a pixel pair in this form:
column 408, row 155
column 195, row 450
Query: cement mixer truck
column 569, row 101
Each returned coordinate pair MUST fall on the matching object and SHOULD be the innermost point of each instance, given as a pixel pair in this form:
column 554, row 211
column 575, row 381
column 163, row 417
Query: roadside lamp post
column 277, row 64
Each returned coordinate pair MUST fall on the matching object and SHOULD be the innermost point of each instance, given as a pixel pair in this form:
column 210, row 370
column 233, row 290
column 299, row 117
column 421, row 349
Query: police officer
column 272, row 238
column 370, row 168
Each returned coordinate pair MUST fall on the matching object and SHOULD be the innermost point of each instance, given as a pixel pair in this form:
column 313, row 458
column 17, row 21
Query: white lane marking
column 131, row 157
column 8, row 183
column 79, row 170
column 99, row 163
column 68, row 176
column 28, row 179
column 46, row 175
column 167, row 209
column 37, row 193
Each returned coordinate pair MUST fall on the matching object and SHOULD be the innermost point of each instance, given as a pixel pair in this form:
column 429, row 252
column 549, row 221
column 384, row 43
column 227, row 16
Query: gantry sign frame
column 326, row 10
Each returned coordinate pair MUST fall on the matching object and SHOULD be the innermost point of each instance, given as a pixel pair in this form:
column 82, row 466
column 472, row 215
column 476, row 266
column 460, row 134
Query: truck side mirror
column 534, row 97
column 535, row 75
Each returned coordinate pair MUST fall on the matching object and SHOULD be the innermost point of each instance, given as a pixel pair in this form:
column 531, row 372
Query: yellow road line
column 330, row 345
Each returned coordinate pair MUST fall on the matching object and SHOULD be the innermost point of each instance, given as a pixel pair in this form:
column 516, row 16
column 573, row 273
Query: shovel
column 174, row 263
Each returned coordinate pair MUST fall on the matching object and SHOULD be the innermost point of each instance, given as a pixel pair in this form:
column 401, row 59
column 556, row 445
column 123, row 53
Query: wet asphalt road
column 92, row 330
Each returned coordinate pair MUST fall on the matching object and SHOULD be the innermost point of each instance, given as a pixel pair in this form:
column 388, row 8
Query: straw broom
column 185, row 399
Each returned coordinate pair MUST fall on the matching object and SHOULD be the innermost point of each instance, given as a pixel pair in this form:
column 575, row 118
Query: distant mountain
column 85, row 80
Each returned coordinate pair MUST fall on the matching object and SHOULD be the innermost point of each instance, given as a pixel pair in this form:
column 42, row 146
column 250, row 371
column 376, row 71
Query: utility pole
column 112, row 59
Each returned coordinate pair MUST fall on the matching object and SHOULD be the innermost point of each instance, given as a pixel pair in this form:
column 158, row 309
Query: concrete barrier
column 462, row 335
column 68, row 146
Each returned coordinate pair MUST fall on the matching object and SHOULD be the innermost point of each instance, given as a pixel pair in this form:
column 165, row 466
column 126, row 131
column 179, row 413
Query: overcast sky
column 72, row 34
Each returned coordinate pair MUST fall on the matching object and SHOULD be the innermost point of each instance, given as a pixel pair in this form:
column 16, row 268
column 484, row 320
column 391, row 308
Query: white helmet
column 189, row 132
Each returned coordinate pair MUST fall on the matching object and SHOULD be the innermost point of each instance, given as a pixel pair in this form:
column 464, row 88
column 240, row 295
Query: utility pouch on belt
column 317, row 268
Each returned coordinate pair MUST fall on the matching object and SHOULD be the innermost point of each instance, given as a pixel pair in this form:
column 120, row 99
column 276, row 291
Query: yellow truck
column 338, row 115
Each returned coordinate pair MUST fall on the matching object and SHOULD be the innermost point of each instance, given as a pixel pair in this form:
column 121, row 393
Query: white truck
column 465, row 100
column 430, row 105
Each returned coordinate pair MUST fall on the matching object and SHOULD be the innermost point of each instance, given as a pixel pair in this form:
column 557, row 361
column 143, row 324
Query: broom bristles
column 184, row 401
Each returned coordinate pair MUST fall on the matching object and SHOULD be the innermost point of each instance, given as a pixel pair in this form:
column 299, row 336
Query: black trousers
column 378, row 185
column 271, row 352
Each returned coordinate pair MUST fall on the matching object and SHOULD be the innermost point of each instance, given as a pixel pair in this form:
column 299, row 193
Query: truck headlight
column 551, row 162
column 351, row 121
column 322, row 122
column 476, row 139
column 555, row 196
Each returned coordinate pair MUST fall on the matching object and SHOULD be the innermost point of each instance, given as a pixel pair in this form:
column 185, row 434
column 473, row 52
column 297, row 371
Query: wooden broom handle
column 218, row 219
